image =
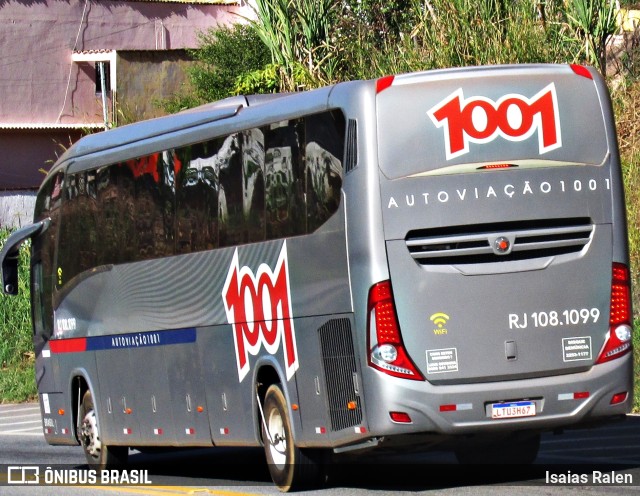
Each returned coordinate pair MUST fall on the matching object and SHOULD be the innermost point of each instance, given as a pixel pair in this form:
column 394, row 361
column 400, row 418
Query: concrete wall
column 16, row 208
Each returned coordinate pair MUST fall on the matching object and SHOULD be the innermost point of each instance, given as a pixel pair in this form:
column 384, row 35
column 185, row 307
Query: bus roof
column 151, row 128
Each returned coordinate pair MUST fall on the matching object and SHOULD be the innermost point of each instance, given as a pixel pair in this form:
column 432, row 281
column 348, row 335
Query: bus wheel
column 511, row 451
column 99, row 456
column 291, row 468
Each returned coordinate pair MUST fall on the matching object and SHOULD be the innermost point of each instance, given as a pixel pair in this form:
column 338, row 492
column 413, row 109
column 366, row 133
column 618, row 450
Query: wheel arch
column 78, row 386
column 267, row 373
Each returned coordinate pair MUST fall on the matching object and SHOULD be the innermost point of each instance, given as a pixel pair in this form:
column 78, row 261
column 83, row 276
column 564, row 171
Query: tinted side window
column 284, row 179
column 197, row 173
column 324, row 152
column 80, row 214
column 230, row 198
column 117, row 214
column 148, row 209
column 264, row 183
column 43, row 250
column 253, row 194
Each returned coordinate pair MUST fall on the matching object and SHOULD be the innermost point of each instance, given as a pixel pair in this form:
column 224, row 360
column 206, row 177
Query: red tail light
column 386, row 350
column 618, row 341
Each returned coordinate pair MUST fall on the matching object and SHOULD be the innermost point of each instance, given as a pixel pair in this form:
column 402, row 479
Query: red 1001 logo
column 513, row 117
column 259, row 308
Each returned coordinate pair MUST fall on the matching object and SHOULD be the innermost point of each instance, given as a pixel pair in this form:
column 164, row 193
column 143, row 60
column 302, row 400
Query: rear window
column 430, row 125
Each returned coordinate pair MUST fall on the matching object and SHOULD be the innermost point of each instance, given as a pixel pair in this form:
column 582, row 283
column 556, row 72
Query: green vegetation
column 224, row 55
column 17, row 372
column 294, row 45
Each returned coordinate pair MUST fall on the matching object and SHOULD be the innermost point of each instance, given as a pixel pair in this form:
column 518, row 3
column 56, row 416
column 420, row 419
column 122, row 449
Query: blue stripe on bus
column 141, row 339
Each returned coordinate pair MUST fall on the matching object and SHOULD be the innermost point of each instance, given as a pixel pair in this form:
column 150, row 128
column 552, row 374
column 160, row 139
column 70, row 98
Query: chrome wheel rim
column 90, row 435
column 277, row 439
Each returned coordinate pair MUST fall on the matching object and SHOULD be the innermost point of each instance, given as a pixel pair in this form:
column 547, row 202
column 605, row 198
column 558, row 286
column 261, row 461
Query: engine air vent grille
column 351, row 158
column 339, row 362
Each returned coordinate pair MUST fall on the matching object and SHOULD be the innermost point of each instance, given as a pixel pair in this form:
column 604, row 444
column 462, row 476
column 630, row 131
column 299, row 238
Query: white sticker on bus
column 442, row 360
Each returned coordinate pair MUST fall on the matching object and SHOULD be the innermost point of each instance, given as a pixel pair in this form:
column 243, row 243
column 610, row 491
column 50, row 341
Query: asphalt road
column 586, row 459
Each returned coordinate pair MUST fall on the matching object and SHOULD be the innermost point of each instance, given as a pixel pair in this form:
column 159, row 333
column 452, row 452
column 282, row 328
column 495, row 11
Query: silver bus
column 426, row 260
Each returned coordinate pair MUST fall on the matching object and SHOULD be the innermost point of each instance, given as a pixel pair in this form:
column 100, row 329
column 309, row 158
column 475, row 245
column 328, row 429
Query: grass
column 17, row 382
column 626, row 103
column 17, row 373
column 636, row 365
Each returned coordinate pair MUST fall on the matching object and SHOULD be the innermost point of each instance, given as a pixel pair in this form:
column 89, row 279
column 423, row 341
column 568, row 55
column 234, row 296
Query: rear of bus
column 508, row 304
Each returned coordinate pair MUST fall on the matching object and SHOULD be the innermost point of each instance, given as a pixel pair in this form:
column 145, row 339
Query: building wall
column 25, row 155
column 38, row 38
column 43, row 91
column 145, row 73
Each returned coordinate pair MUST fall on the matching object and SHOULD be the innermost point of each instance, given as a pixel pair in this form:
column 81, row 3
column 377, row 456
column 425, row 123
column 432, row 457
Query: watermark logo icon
column 23, row 475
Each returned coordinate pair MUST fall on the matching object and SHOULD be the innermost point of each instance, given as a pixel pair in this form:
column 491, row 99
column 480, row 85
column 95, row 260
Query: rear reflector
column 400, row 417
column 573, row 396
column 456, row 407
column 619, row 398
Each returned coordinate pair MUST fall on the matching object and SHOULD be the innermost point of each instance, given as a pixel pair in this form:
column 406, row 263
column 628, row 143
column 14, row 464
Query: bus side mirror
column 10, row 274
column 11, row 251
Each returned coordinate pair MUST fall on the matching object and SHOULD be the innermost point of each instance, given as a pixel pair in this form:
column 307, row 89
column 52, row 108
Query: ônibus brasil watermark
column 37, row 475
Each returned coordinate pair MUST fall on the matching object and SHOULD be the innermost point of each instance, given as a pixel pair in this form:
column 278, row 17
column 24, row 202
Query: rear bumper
column 554, row 398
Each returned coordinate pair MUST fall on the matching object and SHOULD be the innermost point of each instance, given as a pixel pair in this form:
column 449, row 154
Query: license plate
column 513, row 410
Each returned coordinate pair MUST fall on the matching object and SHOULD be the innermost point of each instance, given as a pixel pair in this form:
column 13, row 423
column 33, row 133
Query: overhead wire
column 75, row 45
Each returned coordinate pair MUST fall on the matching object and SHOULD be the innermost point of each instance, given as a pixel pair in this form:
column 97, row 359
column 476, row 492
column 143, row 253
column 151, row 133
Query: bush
column 223, row 55
column 17, row 377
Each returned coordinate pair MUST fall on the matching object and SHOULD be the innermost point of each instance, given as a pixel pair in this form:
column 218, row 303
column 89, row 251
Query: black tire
column 291, row 468
column 510, row 451
column 99, row 456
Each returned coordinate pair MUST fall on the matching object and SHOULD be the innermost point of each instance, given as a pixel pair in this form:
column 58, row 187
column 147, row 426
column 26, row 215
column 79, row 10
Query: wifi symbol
column 439, row 319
